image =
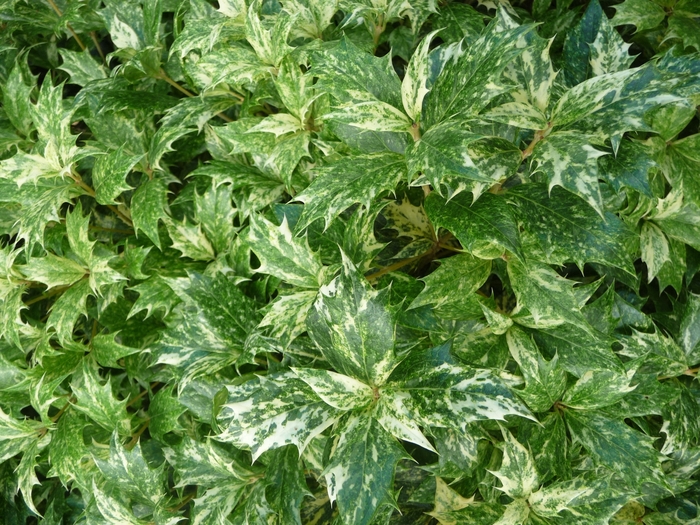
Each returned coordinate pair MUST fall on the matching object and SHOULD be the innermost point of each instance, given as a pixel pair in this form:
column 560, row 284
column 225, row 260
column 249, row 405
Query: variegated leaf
column 337, row 390
column 274, row 411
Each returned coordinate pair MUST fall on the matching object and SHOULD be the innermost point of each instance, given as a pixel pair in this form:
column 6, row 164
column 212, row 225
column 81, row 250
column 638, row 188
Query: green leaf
column 108, row 351
column 53, row 270
column 447, row 296
column 148, row 206
column 549, row 298
column 189, row 239
column 360, row 474
column 517, row 473
column 288, row 486
column 282, row 255
column 97, row 401
column 486, row 228
column 617, row 447
column 689, row 333
column 274, row 411
column 353, row 327
column 571, row 163
column 545, row 382
column 358, row 179
column 471, row 78
column 67, row 450
column 215, row 213
column 154, row 294
column 109, row 175
column 597, row 389
column 16, row 100
column 643, row 14
column 67, row 309
column 559, row 227
column 337, row 390
column 26, row 475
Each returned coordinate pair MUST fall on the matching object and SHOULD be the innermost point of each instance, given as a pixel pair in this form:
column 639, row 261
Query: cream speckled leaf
column 361, row 470
column 189, row 239
column 337, row 390
column 286, row 317
column 518, row 114
column 560, row 227
column 341, row 184
column 545, row 381
column 281, row 254
column 97, row 401
column 273, row 411
column 109, row 174
column 550, row 298
column 486, row 228
column 353, row 327
column 16, row 435
column 414, row 86
column 616, row 446
column 608, row 52
column 394, row 413
column 278, row 124
column 643, row 14
column 515, row 513
column 67, row 309
column 370, row 115
column 597, row 389
column 568, row 160
column 112, row 510
column 470, row 79
column 148, row 206
column 655, row 248
column 517, row 472
column 81, row 67
column 53, row 270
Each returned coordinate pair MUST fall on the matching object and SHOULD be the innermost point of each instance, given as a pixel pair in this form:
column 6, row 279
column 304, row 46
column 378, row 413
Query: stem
column 79, row 181
column 415, row 132
column 93, row 35
column 539, row 135
column 68, row 26
column 396, row 266
column 135, row 438
column 379, row 28
column 164, row 76
column 184, row 502
column 46, row 295
column 63, row 410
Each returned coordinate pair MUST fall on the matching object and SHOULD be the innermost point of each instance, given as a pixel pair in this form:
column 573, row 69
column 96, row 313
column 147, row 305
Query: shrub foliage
column 349, row 262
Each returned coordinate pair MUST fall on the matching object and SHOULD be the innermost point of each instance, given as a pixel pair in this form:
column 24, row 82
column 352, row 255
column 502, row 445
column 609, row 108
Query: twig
column 46, row 295
column 68, row 26
column 539, row 135
column 164, row 76
column 135, row 438
column 93, row 35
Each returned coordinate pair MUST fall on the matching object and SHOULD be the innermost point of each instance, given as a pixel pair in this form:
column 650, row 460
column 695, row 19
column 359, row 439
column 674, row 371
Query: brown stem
column 539, row 135
column 415, row 132
column 47, row 295
column 93, row 35
column 68, row 26
column 135, row 438
column 184, row 502
column 396, row 266
column 379, row 28
column 164, row 76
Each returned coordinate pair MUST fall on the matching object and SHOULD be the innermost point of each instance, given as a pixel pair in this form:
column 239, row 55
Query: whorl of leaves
column 360, row 262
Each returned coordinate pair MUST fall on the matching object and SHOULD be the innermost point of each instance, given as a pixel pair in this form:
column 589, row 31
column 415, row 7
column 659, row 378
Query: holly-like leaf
column 361, row 471
column 486, row 228
column 109, row 175
column 517, row 473
column 643, row 14
column 339, row 185
column 148, row 206
column 353, row 327
column 339, row 391
column 274, row 411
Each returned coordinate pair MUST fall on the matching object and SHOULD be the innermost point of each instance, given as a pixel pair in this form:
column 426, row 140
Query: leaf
column 26, row 475
column 616, row 446
column 111, row 509
column 353, row 327
column 283, row 255
column 109, row 175
column 288, row 486
column 337, row 390
column 67, row 451
column 486, row 228
column 361, row 471
column 274, row 411
column 689, row 333
column 16, row 100
column 154, row 294
column 550, row 298
column 16, row 435
column 598, row 389
column 470, row 80
column 108, row 351
column 208, row 330
column 148, row 206
column 215, row 213
column 53, row 271
column 97, row 401
column 414, row 86
column 451, row 396
column 67, row 309
column 545, row 381
column 129, row 471
column 643, row 14
column 337, row 186
column 190, row 240
column 560, row 227
column 571, row 163
column 81, row 67
column 517, row 473
column 442, row 291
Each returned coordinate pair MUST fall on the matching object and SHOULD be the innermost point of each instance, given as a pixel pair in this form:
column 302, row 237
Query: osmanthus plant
column 349, row 262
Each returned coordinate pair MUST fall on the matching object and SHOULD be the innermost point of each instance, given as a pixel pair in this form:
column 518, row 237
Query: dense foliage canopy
column 349, row 262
